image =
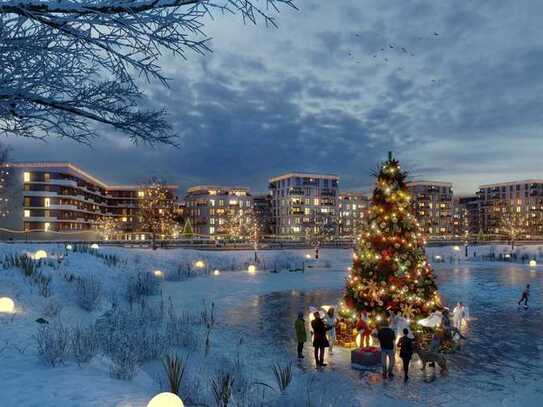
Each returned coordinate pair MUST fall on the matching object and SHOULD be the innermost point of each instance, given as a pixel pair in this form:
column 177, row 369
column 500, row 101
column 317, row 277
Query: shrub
column 124, row 360
column 52, row 343
column 174, row 366
column 283, row 376
column 84, row 344
column 88, row 291
column 52, row 309
column 221, row 387
column 142, row 284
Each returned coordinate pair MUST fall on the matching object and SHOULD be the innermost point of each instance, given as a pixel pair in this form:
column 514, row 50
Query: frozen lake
column 500, row 363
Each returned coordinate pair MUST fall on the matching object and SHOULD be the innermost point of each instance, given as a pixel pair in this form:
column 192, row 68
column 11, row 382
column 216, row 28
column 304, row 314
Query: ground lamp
column 216, row 273
column 532, row 263
column 7, row 306
column 251, row 269
column 166, row 400
column 158, row 273
column 200, row 264
column 456, row 248
column 40, row 254
column 307, row 256
column 69, row 247
column 94, row 246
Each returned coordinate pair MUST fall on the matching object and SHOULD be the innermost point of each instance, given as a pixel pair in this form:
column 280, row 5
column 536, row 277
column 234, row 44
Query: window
column 212, row 202
column 47, row 202
column 27, row 213
column 141, row 194
column 47, row 226
column 211, row 230
column 26, row 177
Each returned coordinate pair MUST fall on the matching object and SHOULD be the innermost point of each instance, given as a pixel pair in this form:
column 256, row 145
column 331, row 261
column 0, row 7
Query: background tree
column 4, row 182
column 390, row 272
column 108, row 227
column 157, row 211
column 68, row 65
column 512, row 223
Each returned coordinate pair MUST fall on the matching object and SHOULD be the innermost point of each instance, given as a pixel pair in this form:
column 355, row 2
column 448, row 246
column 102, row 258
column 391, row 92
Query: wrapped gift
column 364, row 357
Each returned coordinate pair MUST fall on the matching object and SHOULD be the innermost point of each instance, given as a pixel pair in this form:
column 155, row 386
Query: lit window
column 141, row 194
column 27, row 213
column 47, row 226
column 211, row 230
column 26, row 177
column 316, row 201
column 124, row 219
column 47, row 202
column 142, row 237
column 212, row 202
column 212, row 192
column 233, row 202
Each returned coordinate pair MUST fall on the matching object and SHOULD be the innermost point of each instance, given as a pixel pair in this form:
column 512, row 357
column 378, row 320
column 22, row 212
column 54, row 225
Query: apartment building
column 466, row 213
column 262, row 206
column 432, row 203
column 353, row 212
column 58, row 200
column 214, row 209
column 304, row 205
column 519, row 201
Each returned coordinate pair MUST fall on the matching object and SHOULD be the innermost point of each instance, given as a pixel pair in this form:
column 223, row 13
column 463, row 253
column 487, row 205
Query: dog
column 431, row 357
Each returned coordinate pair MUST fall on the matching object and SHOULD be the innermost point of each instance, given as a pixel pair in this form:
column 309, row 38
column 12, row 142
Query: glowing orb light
column 532, row 263
column 158, row 273
column 69, row 247
column 307, row 256
column 94, row 246
column 40, row 254
column 251, row 269
column 456, row 248
column 7, row 306
column 166, row 400
column 216, row 273
column 200, row 264
column 507, row 256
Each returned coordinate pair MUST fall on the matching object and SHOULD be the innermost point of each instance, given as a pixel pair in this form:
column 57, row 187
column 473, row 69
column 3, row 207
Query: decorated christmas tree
column 390, row 272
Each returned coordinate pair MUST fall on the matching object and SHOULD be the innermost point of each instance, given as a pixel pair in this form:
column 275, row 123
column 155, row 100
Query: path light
column 532, row 263
column 158, row 273
column 251, row 269
column 438, row 257
column 456, row 248
column 507, row 256
column 69, row 247
column 307, row 256
column 216, row 273
column 200, row 264
column 166, row 400
column 7, row 306
column 95, row 246
column 40, row 254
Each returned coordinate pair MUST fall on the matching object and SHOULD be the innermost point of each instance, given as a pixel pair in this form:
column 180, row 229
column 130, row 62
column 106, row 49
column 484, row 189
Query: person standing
column 363, row 327
column 301, row 334
column 319, row 339
column 330, row 320
column 525, row 295
column 406, row 352
column 387, row 337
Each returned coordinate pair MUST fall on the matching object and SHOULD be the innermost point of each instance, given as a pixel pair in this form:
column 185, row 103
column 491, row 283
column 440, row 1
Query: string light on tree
column 390, row 272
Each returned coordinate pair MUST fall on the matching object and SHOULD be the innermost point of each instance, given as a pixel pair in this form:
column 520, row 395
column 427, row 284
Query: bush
column 84, row 344
column 88, row 291
column 53, row 343
column 52, row 309
column 283, row 376
column 141, row 285
column 124, row 360
column 174, row 366
column 221, row 387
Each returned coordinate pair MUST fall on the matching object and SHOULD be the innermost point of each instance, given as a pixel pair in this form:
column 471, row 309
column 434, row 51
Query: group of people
column 324, row 334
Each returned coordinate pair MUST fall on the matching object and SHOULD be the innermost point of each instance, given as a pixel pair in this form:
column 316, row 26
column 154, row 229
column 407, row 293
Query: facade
column 432, row 204
column 59, row 200
column 353, row 212
column 304, row 205
column 466, row 215
column 214, row 210
column 262, row 205
column 519, row 202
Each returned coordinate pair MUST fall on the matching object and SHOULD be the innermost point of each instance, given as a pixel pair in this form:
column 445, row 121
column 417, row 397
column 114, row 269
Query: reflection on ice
column 499, row 364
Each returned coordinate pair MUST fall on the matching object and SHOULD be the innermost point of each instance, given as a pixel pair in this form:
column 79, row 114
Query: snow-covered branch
column 69, row 65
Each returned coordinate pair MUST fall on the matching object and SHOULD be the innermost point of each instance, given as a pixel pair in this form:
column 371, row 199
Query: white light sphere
column 251, row 269
column 158, row 273
column 7, row 306
column 200, row 264
column 40, row 254
column 456, row 248
column 216, row 273
column 94, row 246
column 69, row 247
column 532, row 263
column 307, row 256
column 166, row 400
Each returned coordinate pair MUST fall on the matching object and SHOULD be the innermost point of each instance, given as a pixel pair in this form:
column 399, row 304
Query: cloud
column 455, row 89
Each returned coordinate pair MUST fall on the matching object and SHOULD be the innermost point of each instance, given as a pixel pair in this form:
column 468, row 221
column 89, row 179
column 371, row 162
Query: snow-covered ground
column 253, row 329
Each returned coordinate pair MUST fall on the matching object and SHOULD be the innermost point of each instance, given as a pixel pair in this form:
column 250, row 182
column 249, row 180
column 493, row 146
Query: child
column 301, row 334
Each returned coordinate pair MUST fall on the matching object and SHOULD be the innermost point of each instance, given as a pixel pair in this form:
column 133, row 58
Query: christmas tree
column 390, row 272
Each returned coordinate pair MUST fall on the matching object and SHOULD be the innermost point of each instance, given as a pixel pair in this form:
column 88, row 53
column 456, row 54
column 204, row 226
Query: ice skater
column 405, row 343
column 319, row 339
column 330, row 320
column 301, row 334
column 525, row 296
